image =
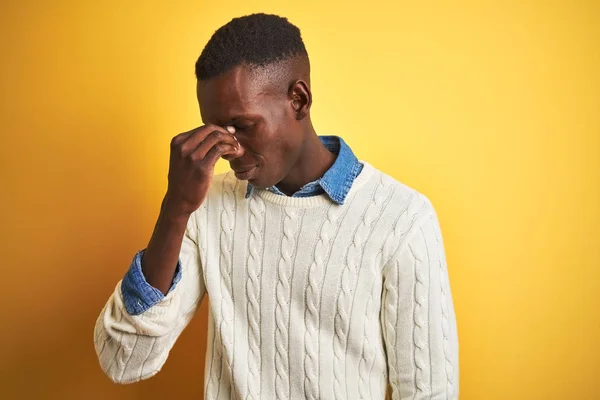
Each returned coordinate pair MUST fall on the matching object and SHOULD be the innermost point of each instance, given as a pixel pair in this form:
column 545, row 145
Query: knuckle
column 218, row 135
column 180, row 150
column 195, row 157
column 201, row 168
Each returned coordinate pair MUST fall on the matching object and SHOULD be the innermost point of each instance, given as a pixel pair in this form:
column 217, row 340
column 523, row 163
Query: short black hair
column 255, row 40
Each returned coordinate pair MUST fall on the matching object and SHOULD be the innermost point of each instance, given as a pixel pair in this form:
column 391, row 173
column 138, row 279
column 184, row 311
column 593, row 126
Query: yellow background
column 491, row 110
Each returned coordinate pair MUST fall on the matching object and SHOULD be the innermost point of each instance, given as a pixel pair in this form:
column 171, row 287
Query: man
column 327, row 278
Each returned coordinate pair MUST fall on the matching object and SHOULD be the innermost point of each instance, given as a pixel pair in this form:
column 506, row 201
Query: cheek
column 287, row 136
column 277, row 140
column 284, row 148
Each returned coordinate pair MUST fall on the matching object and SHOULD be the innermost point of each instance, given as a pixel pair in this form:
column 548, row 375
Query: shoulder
column 400, row 197
column 406, row 215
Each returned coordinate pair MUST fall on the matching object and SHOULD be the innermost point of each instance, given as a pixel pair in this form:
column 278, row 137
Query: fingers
column 203, row 134
column 215, row 147
column 182, row 137
column 218, row 151
column 202, row 139
column 224, row 143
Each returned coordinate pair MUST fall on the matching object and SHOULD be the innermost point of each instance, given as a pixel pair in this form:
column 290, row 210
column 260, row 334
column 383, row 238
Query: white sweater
column 308, row 299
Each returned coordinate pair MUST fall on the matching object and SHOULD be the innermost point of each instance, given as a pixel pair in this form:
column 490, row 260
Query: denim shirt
column 139, row 295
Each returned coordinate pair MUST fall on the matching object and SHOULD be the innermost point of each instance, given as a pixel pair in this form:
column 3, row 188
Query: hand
column 192, row 163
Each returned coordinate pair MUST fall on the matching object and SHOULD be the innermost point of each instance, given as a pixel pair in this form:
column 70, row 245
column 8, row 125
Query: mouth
column 244, row 174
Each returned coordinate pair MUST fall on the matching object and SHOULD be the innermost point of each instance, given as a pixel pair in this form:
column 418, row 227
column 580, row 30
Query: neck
column 312, row 164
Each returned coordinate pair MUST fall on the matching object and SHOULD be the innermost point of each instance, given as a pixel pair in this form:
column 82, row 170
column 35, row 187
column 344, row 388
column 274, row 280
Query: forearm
column 160, row 257
column 161, row 290
column 137, row 327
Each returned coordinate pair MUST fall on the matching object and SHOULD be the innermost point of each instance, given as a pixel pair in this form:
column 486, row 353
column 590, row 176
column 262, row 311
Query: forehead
column 238, row 93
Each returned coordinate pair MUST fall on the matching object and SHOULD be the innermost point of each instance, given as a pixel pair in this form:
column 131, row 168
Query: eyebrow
column 247, row 117
column 235, row 119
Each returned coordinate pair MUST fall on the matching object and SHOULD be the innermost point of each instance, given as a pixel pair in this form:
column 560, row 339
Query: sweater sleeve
column 418, row 319
column 135, row 347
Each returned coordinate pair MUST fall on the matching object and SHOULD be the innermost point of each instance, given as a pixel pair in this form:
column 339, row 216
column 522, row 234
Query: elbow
column 120, row 365
column 121, row 372
column 125, row 354
column 109, row 362
column 116, row 376
column 119, row 378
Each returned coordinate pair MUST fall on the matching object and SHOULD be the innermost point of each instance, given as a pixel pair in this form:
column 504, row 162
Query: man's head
column 254, row 74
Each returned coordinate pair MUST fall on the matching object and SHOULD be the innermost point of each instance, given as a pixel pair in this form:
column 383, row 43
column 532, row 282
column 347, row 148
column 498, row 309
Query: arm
column 134, row 347
column 139, row 324
column 418, row 319
column 156, row 270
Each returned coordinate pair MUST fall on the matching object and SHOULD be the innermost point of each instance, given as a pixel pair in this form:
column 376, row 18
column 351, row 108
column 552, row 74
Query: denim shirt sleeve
column 138, row 294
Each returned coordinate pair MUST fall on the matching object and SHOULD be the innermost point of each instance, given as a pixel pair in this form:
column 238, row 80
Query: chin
column 259, row 182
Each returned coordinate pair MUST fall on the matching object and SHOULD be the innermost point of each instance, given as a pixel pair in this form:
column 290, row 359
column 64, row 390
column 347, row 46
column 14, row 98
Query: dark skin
column 259, row 120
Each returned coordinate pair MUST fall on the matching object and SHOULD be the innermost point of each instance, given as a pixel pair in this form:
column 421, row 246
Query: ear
column 301, row 98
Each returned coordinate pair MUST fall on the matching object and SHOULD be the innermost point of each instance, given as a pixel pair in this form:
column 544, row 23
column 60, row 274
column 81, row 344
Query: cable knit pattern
column 347, row 289
column 215, row 367
column 313, row 295
column 368, row 348
column 257, row 210
column 282, row 312
column 309, row 299
column 390, row 321
column 367, row 353
column 420, row 322
column 225, row 326
column 446, row 330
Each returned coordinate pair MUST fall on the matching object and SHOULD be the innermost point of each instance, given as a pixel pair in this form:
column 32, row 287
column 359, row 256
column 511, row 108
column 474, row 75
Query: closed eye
column 242, row 127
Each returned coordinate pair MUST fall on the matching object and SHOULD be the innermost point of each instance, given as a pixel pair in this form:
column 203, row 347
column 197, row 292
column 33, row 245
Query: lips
column 244, row 173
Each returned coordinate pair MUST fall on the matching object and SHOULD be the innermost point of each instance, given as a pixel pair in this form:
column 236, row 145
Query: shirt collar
column 338, row 179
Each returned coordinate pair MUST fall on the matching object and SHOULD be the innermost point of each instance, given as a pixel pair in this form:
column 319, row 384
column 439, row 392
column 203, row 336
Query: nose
column 239, row 153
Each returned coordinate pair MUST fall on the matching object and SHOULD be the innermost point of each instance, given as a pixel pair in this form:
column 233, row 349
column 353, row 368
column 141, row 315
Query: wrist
column 174, row 210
